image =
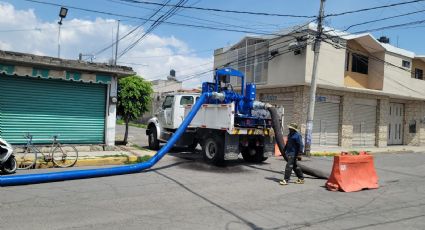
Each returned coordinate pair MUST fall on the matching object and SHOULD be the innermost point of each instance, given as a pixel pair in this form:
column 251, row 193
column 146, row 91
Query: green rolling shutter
column 45, row 107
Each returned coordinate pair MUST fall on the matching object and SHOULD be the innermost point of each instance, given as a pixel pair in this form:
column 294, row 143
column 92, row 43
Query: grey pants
column 292, row 165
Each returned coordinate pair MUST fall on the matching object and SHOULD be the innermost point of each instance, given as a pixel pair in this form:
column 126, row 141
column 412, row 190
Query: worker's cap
column 293, row 126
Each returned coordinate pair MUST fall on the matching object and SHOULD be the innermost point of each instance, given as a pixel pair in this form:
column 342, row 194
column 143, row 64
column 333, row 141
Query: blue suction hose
column 102, row 172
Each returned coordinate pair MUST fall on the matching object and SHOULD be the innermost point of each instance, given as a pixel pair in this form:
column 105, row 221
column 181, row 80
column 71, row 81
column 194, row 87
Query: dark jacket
column 294, row 145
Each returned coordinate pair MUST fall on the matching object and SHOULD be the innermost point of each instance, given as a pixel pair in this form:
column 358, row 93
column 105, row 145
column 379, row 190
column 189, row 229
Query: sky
column 32, row 27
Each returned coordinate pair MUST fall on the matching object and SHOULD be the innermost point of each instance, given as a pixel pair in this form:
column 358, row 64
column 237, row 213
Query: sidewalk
column 329, row 151
column 131, row 154
column 126, row 155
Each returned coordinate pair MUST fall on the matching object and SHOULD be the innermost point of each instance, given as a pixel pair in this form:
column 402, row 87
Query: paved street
column 182, row 192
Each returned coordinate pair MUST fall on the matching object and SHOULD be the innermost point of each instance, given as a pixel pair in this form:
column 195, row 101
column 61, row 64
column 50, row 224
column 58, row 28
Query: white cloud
column 23, row 31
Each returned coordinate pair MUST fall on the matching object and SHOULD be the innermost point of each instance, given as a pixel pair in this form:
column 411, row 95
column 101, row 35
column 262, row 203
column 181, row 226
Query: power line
column 154, row 25
column 130, row 32
column 290, row 34
column 339, row 46
column 192, row 76
column 151, row 20
column 390, row 64
column 383, row 19
column 221, row 10
column 191, row 17
column 372, row 8
column 370, row 30
column 50, row 28
column 171, row 55
column 195, row 75
column 390, row 27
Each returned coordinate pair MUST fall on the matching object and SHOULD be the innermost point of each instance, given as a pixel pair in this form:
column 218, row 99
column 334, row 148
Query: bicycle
column 61, row 156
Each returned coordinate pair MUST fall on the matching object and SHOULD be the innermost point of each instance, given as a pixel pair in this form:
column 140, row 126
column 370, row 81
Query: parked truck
column 227, row 125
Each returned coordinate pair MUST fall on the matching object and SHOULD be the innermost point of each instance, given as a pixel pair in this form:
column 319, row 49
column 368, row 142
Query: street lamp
column 62, row 14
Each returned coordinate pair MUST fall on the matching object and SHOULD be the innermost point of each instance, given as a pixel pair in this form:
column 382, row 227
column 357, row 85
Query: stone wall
column 346, row 138
column 414, row 116
column 382, row 122
column 301, row 99
column 414, row 110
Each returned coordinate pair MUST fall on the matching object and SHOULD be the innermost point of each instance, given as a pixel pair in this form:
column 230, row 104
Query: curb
column 99, row 161
column 96, row 161
column 331, row 154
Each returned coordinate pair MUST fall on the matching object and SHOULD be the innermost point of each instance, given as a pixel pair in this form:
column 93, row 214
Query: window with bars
column 360, row 63
column 419, row 74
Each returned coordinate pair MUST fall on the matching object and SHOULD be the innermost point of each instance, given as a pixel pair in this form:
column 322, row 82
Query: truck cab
column 168, row 118
column 172, row 111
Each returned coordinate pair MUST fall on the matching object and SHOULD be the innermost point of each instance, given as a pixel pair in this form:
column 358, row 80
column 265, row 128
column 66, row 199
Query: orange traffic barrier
column 276, row 148
column 352, row 173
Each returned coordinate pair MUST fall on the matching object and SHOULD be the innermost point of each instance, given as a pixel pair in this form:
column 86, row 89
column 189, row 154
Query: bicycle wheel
column 64, row 156
column 27, row 159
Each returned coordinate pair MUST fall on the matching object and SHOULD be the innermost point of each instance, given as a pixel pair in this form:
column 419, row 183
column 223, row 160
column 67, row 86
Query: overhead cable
column 383, row 19
column 151, row 20
column 372, row 8
column 222, row 10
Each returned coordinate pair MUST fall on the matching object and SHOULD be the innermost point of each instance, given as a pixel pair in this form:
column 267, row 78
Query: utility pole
column 62, row 14
column 116, row 43
column 313, row 85
column 59, row 39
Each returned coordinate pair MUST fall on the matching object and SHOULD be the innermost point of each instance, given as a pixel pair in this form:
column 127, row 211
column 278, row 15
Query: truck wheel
column 10, row 166
column 213, row 150
column 192, row 147
column 153, row 138
column 254, row 156
column 260, row 154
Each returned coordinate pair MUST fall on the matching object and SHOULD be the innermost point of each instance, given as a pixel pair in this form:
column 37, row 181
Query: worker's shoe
column 283, row 182
column 299, row 181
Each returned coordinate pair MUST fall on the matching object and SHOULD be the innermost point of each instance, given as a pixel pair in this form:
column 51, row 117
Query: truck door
column 179, row 112
column 165, row 116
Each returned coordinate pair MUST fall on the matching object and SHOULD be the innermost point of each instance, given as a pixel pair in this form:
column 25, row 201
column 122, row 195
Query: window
column 405, row 64
column 347, row 61
column 251, row 58
column 186, row 100
column 168, row 102
column 419, row 74
column 360, row 64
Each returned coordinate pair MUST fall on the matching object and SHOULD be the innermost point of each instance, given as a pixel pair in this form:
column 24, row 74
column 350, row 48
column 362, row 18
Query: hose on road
column 102, row 172
column 281, row 145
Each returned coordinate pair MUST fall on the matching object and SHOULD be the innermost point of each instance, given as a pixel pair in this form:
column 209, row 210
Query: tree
column 134, row 97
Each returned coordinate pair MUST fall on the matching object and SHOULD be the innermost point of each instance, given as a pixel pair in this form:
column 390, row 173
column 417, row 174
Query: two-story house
column 369, row 93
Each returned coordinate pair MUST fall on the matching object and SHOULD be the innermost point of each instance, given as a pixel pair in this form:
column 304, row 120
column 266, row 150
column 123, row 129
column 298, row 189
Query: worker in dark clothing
column 293, row 147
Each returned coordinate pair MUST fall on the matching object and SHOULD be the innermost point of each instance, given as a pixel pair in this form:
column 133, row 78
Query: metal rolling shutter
column 364, row 122
column 326, row 124
column 286, row 100
column 74, row 110
column 288, row 114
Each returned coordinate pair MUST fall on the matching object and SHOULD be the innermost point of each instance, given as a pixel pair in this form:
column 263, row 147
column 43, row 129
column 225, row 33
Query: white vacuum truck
column 226, row 125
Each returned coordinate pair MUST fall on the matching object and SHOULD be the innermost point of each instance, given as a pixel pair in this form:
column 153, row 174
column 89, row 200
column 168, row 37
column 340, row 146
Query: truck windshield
column 186, row 100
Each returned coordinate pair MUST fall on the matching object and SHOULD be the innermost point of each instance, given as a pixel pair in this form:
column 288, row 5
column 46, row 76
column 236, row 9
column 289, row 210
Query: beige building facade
column 370, row 93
